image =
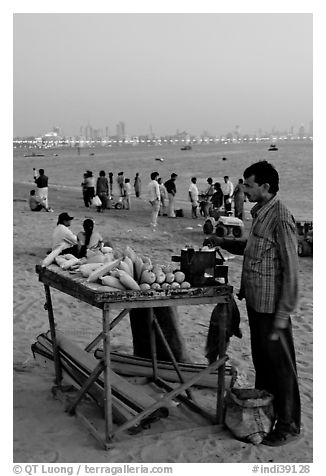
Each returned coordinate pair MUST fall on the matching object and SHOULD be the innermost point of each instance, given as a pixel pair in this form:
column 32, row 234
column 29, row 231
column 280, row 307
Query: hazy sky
column 193, row 72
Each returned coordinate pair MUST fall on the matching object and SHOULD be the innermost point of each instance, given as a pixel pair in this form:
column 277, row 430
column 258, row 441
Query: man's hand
column 279, row 324
column 240, row 295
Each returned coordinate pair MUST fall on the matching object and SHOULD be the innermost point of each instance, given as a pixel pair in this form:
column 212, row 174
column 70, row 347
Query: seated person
column 89, row 239
column 36, row 204
column 62, row 235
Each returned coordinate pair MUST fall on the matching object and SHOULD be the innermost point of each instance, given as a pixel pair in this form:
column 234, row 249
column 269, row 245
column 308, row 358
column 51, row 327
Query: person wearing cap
column 172, row 190
column 154, row 198
column 62, row 235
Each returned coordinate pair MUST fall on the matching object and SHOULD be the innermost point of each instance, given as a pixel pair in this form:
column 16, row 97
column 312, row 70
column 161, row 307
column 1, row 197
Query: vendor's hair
column 154, row 175
column 264, row 172
column 88, row 226
column 102, row 173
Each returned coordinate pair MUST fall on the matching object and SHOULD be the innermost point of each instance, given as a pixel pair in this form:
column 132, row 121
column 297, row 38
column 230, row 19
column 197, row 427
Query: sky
column 162, row 72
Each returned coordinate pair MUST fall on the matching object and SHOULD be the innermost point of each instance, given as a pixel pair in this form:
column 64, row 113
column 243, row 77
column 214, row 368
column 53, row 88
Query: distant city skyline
column 161, row 72
column 121, row 130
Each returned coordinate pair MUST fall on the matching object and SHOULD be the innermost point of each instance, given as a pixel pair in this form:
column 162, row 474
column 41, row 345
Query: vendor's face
column 253, row 191
column 67, row 222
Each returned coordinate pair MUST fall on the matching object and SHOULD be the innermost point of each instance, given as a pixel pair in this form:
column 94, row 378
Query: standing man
column 110, row 184
column 102, row 190
column 121, row 182
column 269, row 284
column 239, row 198
column 172, row 190
column 209, row 192
column 227, row 188
column 193, row 195
column 42, row 186
column 154, row 198
column 137, row 185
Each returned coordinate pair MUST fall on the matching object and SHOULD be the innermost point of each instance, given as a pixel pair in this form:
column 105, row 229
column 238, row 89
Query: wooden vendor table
column 77, row 286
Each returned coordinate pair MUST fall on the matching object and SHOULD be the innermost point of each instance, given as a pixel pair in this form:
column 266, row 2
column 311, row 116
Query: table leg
column 152, row 338
column 57, row 364
column 107, row 380
column 221, row 370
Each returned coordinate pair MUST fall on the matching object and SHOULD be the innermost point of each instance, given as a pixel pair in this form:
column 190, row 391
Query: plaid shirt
column 269, row 279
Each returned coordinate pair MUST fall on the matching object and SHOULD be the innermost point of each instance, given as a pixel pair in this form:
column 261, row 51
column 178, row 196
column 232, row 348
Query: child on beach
column 164, row 196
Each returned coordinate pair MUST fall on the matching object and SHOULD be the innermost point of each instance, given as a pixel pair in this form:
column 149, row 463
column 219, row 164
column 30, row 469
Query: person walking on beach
column 102, row 190
column 41, row 181
column 163, row 197
column 172, row 190
column 239, row 198
column 90, row 187
column 84, row 190
column 269, row 284
column 127, row 194
column 193, row 195
column 154, row 198
column 227, row 189
column 137, row 185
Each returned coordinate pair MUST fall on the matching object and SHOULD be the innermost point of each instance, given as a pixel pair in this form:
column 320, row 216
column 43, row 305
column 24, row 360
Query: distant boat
column 186, row 147
column 224, row 158
column 161, row 159
column 33, row 155
column 273, row 147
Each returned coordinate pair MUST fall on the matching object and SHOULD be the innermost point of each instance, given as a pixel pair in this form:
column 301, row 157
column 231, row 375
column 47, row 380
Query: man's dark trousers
column 274, row 371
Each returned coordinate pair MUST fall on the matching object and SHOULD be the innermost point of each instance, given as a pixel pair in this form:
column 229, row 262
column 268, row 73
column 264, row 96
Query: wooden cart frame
column 73, row 285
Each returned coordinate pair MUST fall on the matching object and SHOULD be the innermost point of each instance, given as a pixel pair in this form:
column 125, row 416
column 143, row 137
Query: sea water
column 65, row 166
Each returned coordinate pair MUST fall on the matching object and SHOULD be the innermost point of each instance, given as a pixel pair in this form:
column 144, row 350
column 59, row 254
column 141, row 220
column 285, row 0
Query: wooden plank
column 131, row 392
column 170, row 396
column 77, row 376
column 138, row 366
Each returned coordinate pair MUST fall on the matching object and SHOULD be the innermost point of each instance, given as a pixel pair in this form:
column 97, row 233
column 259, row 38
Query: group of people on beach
column 101, row 189
column 38, row 199
column 215, row 196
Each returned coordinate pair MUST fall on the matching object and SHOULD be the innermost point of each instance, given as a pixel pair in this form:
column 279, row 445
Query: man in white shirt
column 227, row 189
column 193, row 195
column 62, row 235
column 154, row 197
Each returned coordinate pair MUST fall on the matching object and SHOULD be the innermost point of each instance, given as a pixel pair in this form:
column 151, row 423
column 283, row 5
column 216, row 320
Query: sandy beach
column 43, row 432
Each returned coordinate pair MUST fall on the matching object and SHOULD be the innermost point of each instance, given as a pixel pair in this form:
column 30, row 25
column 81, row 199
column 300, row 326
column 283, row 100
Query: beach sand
column 43, row 432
